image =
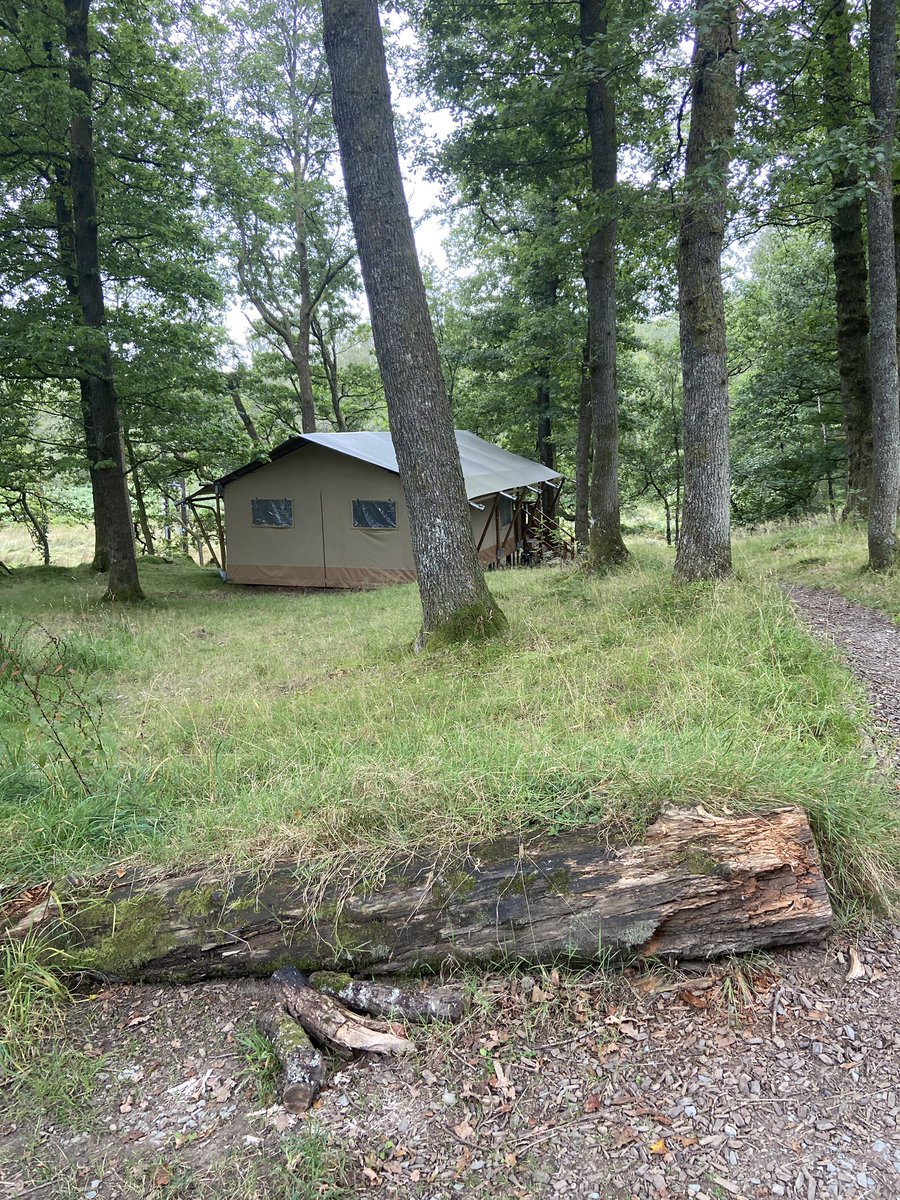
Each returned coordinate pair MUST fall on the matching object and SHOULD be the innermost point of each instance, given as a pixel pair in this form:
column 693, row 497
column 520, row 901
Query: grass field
column 238, row 723
column 822, row 555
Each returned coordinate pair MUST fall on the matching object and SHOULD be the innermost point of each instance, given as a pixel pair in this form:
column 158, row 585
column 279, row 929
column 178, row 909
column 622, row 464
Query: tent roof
column 486, row 467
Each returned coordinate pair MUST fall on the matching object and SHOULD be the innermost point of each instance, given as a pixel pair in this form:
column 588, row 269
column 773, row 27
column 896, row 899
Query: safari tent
column 326, row 510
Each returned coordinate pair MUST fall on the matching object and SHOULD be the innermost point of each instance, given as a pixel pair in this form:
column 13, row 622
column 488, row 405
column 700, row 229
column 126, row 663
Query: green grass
column 242, row 723
column 819, row 554
column 303, row 1165
column 33, row 998
column 69, row 545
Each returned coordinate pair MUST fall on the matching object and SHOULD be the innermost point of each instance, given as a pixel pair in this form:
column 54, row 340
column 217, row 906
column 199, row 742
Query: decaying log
column 301, row 1062
column 697, row 886
column 407, row 1003
column 327, row 1021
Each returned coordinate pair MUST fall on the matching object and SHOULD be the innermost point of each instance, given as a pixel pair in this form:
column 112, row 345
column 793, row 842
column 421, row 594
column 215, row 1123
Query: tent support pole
column 487, row 522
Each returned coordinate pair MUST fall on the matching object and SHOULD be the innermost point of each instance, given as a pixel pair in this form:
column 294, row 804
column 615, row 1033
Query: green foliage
column 608, row 700
column 788, row 446
column 262, row 1063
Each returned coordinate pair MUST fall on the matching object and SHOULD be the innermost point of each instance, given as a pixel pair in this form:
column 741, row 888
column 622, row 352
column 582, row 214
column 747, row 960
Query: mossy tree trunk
column 704, row 546
column 605, row 544
column 849, row 257
column 883, row 292
column 106, row 453
column 456, row 603
column 696, row 886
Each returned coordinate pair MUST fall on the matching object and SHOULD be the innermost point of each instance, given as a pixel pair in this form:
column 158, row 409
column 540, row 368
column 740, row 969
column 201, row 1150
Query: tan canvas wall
column 323, row 548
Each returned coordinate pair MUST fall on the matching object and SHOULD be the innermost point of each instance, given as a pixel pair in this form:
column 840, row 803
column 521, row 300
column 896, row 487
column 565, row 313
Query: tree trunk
column 388, row 1001
column 704, row 546
column 456, row 603
column 544, row 444
column 883, row 292
column 849, row 256
column 246, row 420
column 113, row 514
column 329, row 1022
column 302, row 1064
column 37, row 525
column 605, row 537
column 697, row 886
column 137, row 488
column 329, row 358
column 546, row 450
column 65, row 237
column 583, row 456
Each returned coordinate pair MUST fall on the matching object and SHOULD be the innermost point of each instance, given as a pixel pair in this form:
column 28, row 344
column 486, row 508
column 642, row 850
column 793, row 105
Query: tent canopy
column 486, row 468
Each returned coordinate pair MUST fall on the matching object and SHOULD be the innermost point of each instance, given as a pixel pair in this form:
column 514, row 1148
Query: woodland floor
column 772, row 1076
column 769, row 1077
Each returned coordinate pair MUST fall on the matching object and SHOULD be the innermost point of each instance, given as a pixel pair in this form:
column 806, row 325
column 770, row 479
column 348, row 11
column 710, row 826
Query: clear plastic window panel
column 374, row 514
column 276, row 514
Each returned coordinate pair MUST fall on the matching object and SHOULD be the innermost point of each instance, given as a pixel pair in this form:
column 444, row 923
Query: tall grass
column 32, row 998
column 245, row 723
column 825, row 555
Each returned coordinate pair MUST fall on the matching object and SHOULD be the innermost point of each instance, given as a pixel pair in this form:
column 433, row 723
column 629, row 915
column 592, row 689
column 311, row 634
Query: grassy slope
column 822, row 555
column 245, row 722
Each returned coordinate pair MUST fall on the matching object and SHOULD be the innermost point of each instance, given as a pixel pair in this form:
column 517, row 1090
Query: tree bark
column 329, row 358
column 140, row 505
column 883, row 292
column 329, row 1023
column 583, row 456
column 696, row 886
column 37, row 525
column 65, row 237
column 605, row 527
column 544, row 443
column 234, row 390
column 113, row 514
column 302, row 1064
column 704, row 546
column 849, row 257
column 456, row 603
column 408, row 1003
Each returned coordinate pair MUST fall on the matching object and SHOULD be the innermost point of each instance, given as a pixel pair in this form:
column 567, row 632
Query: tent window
column 505, row 510
column 273, row 514
column 374, row 514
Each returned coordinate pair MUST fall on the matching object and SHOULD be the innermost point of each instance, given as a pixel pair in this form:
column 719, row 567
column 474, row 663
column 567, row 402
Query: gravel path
column 871, row 643
column 765, row 1078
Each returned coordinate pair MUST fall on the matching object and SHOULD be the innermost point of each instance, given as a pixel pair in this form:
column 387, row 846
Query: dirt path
column 871, row 642
column 767, row 1078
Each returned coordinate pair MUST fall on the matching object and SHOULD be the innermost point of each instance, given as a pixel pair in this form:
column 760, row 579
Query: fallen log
column 328, row 1022
column 408, row 1003
column 697, row 886
column 301, row 1063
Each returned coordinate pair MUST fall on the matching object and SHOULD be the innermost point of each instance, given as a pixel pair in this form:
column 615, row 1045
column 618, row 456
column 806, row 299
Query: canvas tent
column 327, row 510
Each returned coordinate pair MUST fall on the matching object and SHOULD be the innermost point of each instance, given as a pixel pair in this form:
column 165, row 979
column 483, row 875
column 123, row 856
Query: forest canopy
column 663, row 260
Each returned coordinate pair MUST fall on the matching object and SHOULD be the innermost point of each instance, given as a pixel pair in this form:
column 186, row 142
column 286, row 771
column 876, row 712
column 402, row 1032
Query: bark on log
column 304, row 1070
column 696, row 887
column 408, row 1003
column 326, row 1019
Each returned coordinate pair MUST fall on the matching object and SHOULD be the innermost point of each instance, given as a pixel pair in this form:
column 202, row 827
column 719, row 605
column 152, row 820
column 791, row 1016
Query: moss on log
column 696, row 887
